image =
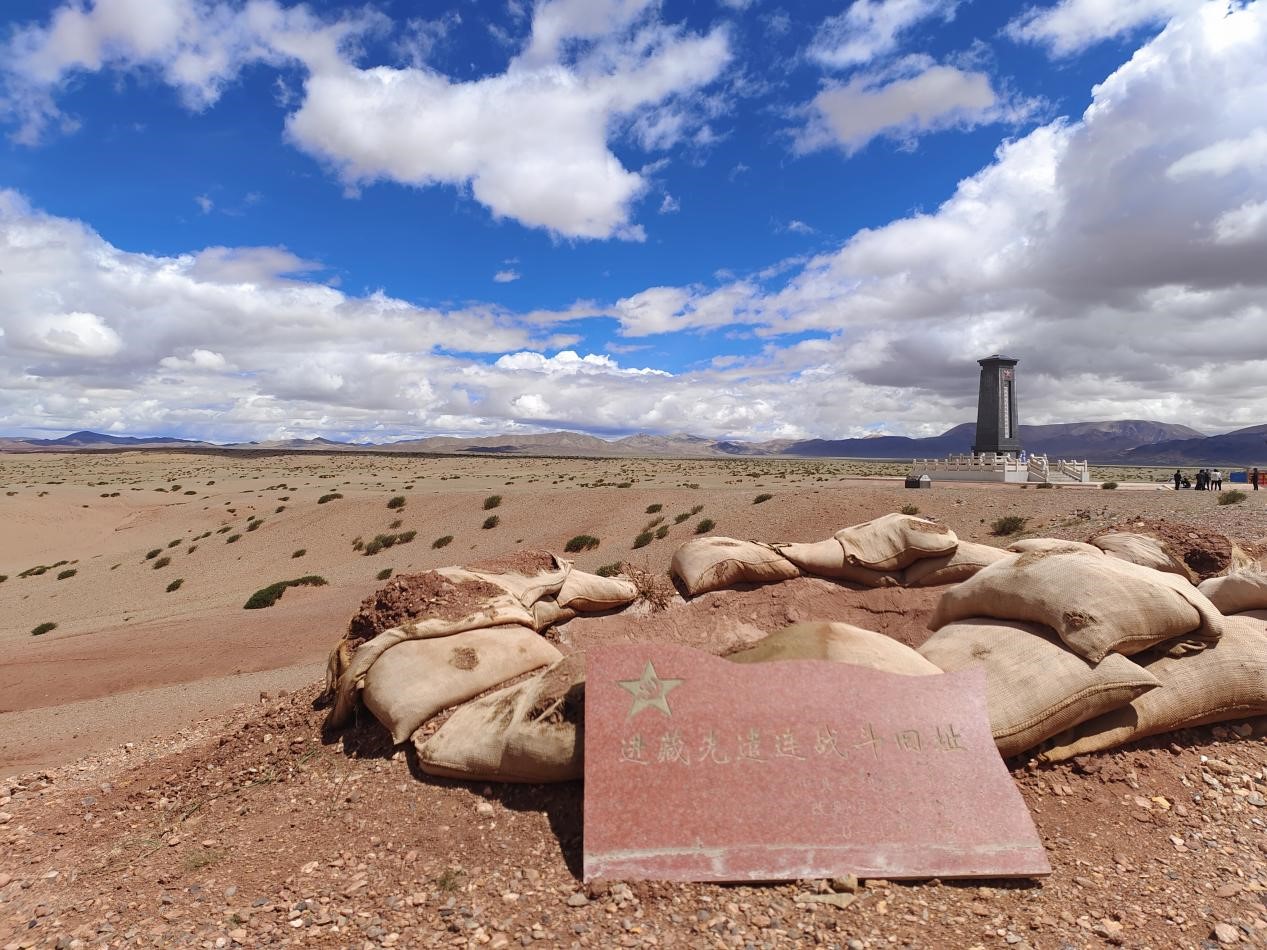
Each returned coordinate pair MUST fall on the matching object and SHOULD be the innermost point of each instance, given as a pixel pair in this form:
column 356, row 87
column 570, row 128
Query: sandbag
column 892, row 542
column 1233, row 593
column 827, row 559
column 959, row 565
column 547, row 612
column 1025, row 545
column 716, row 563
column 528, row 575
column 463, row 601
column 589, row 592
column 1226, row 681
column 838, row 643
column 1035, row 686
column 1144, row 550
column 530, row 732
column 1097, row 604
column 416, row 679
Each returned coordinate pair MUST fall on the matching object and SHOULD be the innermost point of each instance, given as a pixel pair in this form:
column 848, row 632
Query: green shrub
column 395, row 524
column 3, row 578
column 1044, row 485
column 191, row 549
column 254, row 523
column 175, row 585
column 232, row 538
column 705, row 525
column 172, row 544
column 384, row 574
column 678, row 519
column 150, row 555
column 267, row 596
column 642, row 540
column 1231, row 497
column 609, row 570
column 406, row 536
column 333, row 496
column 443, row 542
column 492, row 501
column 1009, row 524
column 279, row 509
column 397, row 501
column 299, row 553
column 43, row 628
column 492, row 521
column 69, row 572
column 224, row 528
column 909, row 509
column 698, row 508
column 762, row 498
column 582, row 542
column 654, row 509
column 1108, row 486
column 662, row 532
column 162, row 562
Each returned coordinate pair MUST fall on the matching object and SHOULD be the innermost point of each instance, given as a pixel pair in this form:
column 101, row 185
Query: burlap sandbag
column 547, row 612
column 1097, row 604
column 1025, row 545
column 966, row 560
column 827, row 559
column 1234, row 593
column 589, row 593
column 541, row 575
column 716, row 563
column 491, row 610
column 838, row 643
column 1035, row 686
column 416, row 679
column 1226, row 681
column 1144, row 550
column 892, row 542
column 530, row 732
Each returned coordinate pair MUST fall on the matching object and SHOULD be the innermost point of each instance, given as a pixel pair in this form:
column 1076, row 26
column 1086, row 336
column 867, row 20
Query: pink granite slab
column 698, row 769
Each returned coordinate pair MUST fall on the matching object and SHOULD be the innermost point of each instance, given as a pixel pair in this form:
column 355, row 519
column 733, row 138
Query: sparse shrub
column 254, row 523
column 69, row 572
column 175, row 585
column 3, row 578
column 652, row 523
column 395, row 524
column 609, row 570
column 279, row 509
column 662, row 532
column 678, row 519
column 357, row 544
column 300, row 553
column 332, row 496
column 397, row 501
column 642, row 540
column 43, row 628
column 406, row 536
column 705, row 525
column 654, row 509
column 910, row 509
column 383, row 574
column 267, row 596
column 224, row 528
column 492, row 501
column 1008, row 524
column 442, row 542
column 162, row 562
column 698, row 508
column 625, row 485
column 1045, row 485
column 492, row 521
column 1231, row 497
column 1108, row 486
column 232, row 538
column 582, row 542
column 173, row 544
column 762, row 498
column 150, row 555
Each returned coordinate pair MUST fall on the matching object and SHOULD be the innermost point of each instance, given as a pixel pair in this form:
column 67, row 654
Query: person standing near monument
column 1253, row 478
column 1216, row 480
column 1178, row 479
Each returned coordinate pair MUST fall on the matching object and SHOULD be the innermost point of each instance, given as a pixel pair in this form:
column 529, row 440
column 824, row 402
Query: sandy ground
column 165, row 780
column 122, row 635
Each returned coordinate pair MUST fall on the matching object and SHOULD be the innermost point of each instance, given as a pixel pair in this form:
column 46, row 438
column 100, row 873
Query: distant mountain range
column 1127, row 441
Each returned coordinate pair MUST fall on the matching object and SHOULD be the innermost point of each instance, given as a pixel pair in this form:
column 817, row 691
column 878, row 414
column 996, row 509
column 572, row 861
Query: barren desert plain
column 165, row 780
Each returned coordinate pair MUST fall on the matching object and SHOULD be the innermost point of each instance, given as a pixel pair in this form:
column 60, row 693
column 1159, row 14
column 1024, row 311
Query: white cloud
column 796, row 226
column 204, row 203
column 74, row 334
column 1071, row 26
column 506, row 276
column 869, row 29
column 570, row 363
column 928, row 99
column 670, row 205
column 1246, row 154
column 1242, row 225
column 530, row 144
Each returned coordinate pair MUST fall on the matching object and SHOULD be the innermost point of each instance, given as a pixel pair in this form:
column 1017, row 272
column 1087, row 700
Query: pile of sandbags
column 888, row 551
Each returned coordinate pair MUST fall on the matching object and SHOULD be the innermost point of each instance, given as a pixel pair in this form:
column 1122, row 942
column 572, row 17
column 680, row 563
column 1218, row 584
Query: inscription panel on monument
column 700, row 769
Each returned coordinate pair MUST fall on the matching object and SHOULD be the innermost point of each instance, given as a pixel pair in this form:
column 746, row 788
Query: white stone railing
column 987, row 462
column 1038, row 467
column 1078, row 471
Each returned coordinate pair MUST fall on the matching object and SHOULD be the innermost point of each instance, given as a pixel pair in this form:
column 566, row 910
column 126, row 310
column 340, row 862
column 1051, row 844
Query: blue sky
column 744, row 219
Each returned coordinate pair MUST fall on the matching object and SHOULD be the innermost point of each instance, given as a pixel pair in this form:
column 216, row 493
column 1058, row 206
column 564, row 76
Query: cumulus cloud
column 1070, row 26
column 869, row 29
column 922, row 98
column 530, row 143
column 506, row 276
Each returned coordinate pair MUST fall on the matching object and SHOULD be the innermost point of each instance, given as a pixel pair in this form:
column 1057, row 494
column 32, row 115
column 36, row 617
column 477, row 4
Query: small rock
column 1226, row 934
column 1230, row 889
column 578, row 899
column 484, row 808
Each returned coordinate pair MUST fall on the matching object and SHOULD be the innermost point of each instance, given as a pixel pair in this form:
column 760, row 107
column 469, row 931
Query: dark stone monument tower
column 996, row 407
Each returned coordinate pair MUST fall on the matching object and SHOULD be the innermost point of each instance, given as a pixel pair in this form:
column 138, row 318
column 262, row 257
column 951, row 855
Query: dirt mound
column 408, row 596
column 528, row 563
column 1206, row 552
